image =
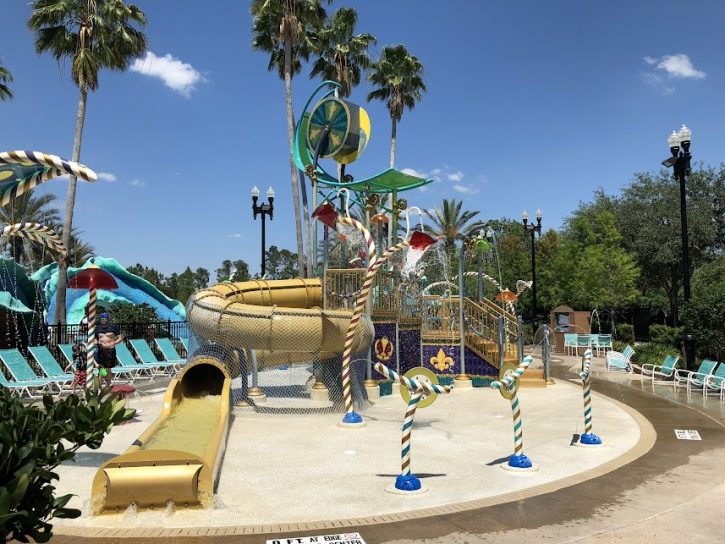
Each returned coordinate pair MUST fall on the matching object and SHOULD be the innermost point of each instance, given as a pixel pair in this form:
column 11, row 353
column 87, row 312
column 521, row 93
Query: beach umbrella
column 92, row 278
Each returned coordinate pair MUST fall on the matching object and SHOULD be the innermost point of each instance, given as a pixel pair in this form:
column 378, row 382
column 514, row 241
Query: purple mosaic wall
column 440, row 364
column 383, row 349
column 409, row 348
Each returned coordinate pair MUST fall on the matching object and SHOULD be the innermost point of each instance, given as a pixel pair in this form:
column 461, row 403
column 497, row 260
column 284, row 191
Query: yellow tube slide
column 279, row 319
column 179, row 456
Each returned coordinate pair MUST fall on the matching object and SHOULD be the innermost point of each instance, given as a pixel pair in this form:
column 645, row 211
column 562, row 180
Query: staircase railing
column 492, row 326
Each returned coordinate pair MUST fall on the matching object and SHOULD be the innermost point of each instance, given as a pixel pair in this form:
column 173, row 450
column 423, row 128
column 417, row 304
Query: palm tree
column 342, row 55
column 284, row 29
column 93, row 34
column 27, row 208
column 5, row 77
column 398, row 78
column 452, row 224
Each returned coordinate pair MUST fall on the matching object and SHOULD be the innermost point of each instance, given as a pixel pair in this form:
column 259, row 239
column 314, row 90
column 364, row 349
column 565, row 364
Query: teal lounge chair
column 122, row 373
column 699, row 380
column 185, row 343
column 127, row 362
column 716, row 382
column 620, row 361
column 166, row 346
column 48, row 364
column 661, row 372
column 602, row 342
column 19, row 388
column 147, row 356
column 21, row 371
column 682, row 376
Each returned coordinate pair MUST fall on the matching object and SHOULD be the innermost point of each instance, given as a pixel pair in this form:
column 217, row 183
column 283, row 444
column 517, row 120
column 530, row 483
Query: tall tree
column 284, row 29
column 31, row 209
column 224, row 272
column 151, row 275
column 5, row 78
column 92, row 34
column 398, row 80
column 342, row 55
column 453, row 224
column 201, row 278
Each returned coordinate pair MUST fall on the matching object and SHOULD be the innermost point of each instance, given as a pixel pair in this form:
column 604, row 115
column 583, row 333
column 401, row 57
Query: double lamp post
column 263, row 210
column 679, row 144
column 533, row 229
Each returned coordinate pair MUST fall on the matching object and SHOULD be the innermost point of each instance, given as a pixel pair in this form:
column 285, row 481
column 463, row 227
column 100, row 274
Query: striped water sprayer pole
column 510, row 384
column 588, row 438
column 406, row 481
column 350, row 416
column 91, row 346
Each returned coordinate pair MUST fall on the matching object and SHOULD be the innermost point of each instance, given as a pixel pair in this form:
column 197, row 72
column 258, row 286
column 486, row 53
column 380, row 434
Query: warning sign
column 687, row 434
column 345, row 538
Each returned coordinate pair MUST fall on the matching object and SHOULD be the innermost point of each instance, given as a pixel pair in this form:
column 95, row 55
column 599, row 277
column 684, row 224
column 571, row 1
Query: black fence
column 68, row 334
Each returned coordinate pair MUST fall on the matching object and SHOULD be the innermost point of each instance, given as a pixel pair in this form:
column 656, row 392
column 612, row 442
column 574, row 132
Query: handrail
column 507, row 381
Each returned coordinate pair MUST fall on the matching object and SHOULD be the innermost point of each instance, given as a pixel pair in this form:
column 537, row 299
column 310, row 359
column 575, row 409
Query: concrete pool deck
column 647, row 494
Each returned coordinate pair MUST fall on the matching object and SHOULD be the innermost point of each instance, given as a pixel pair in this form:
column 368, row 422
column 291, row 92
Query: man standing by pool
column 108, row 336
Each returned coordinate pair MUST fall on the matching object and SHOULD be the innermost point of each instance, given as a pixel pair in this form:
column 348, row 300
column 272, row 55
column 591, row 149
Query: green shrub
column 705, row 311
column 619, row 346
column 625, row 333
column 666, row 336
column 123, row 312
column 34, row 440
column 654, row 354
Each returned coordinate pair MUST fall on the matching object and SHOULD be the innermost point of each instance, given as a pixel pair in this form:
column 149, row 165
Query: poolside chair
column 166, row 346
column 20, row 388
column 583, row 341
column 48, row 364
column 681, row 376
column 602, row 342
column 119, row 373
column 716, row 382
column 147, row 356
column 569, row 342
column 620, row 361
column 699, row 380
column 665, row 370
column 185, row 343
column 21, row 371
column 127, row 362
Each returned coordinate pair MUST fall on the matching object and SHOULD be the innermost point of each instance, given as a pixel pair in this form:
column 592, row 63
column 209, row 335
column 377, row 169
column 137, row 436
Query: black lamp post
column 263, row 210
column 532, row 228
column 679, row 144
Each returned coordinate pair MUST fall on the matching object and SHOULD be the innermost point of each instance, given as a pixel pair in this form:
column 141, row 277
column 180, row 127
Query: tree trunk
column 393, row 141
column 311, row 257
column 293, row 168
column 69, row 204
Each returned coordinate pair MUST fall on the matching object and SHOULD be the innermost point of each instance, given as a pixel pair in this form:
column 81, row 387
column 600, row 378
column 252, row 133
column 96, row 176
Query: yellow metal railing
column 482, row 330
column 342, row 287
column 440, row 317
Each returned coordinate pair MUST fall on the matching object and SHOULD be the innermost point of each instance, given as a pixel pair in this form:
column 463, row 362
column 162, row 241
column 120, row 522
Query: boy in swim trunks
column 108, row 336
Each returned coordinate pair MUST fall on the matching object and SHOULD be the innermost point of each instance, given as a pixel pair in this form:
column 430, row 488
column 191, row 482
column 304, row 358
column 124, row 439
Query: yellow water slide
column 282, row 320
column 179, row 456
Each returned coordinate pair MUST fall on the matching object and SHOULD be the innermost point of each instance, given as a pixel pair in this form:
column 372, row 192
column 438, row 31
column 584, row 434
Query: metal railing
column 440, row 317
column 342, row 287
column 68, row 334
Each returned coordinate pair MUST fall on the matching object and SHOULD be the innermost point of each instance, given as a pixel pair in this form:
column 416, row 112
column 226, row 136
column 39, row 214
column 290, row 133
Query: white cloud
column 413, row 172
column 137, row 183
column 106, row 176
column 462, row 188
column 235, row 235
column 179, row 76
column 455, row 176
column 667, row 68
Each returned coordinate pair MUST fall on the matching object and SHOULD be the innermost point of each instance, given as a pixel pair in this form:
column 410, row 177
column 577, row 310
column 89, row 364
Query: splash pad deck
column 288, row 469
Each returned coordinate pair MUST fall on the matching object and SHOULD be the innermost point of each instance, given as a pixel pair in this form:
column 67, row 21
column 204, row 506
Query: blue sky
column 529, row 104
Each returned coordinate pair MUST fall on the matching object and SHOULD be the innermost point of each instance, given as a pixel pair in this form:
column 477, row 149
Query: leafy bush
column 619, row 346
column 666, row 336
column 34, row 440
column 705, row 311
column 625, row 333
column 654, row 353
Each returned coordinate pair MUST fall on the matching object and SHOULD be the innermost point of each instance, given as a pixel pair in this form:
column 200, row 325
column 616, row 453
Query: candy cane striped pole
column 406, row 481
column 37, row 233
column 518, row 459
column 588, row 438
column 56, row 167
column 91, row 349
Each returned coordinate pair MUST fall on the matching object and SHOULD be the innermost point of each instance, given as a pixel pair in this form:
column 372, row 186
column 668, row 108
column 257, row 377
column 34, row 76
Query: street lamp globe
column 539, row 215
column 685, row 137
column 525, row 216
column 255, row 192
column 270, row 193
column 674, row 142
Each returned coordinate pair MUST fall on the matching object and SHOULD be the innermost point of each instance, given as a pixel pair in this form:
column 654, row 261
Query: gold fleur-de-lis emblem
column 441, row 361
column 384, row 349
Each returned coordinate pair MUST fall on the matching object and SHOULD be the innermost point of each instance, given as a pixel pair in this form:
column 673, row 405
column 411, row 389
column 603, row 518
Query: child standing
column 80, row 366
